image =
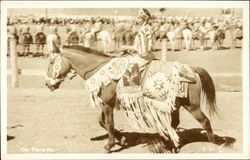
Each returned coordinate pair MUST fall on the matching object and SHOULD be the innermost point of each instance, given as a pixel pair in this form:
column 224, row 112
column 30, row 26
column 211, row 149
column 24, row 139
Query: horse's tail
column 208, row 90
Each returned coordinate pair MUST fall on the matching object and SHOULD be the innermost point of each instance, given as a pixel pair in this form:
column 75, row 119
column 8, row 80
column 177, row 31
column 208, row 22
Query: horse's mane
column 84, row 50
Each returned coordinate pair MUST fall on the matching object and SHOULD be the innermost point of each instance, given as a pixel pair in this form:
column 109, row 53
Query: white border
column 124, row 4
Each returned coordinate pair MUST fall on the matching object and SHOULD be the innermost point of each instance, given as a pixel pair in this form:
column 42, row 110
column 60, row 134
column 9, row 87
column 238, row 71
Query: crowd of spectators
column 229, row 22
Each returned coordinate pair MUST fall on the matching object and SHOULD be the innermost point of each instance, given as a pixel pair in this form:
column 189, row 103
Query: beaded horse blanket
column 148, row 98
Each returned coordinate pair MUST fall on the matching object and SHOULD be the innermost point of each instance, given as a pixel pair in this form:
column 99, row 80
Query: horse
column 237, row 35
column 72, row 38
column 129, row 37
column 210, row 36
column 40, row 40
column 220, row 37
column 187, row 37
column 91, row 39
column 88, row 40
column 86, row 62
column 177, row 35
column 123, row 35
column 119, row 38
column 211, row 33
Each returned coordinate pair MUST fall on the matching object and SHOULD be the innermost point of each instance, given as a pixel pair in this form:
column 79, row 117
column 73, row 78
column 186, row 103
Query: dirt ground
column 63, row 121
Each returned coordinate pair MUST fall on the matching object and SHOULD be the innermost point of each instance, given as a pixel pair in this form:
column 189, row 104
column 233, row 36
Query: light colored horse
column 187, row 36
column 90, row 40
column 211, row 36
column 173, row 37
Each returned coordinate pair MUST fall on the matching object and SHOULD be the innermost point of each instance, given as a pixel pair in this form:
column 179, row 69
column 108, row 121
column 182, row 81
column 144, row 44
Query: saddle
column 149, row 96
column 157, row 74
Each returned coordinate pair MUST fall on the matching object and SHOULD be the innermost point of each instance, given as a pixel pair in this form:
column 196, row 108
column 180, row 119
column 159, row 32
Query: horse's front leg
column 101, row 121
column 172, row 42
column 109, row 123
column 116, row 45
column 108, row 96
column 121, row 139
column 105, row 45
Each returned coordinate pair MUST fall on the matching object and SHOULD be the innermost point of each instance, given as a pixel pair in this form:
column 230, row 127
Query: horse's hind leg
column 176, row 113
column 175, row 119
column 204, row 121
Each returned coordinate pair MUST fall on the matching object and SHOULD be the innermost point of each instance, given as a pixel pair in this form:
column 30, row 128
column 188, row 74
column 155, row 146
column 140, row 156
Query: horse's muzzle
column 51, row 87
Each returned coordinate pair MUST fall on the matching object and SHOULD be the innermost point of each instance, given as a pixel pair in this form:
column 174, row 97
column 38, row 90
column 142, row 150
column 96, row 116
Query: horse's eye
column 51, row 61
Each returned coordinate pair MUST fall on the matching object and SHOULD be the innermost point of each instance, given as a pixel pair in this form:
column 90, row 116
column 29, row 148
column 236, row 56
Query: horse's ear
column 55, row 48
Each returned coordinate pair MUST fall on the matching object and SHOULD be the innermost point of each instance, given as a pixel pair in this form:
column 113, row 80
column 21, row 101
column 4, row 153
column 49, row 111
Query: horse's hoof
column 123, row 141
column 175, row 150
column 107, row 148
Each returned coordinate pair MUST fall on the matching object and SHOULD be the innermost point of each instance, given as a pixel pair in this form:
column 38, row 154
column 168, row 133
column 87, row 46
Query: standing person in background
column 72, row 36
column 195, row 32
column 53, row 41
column 202, row 33
column 97, row 27
column 84, row 30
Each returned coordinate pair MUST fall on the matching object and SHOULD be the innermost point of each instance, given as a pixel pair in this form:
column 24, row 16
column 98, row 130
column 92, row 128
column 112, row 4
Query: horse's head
column 58, row 68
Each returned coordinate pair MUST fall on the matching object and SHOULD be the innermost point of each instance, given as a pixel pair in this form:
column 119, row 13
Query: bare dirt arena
column 64, row 122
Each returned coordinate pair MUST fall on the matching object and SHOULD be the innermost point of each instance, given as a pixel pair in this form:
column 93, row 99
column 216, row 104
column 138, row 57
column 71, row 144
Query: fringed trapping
column 133, row 103
column 143, row 112
column 113, row 70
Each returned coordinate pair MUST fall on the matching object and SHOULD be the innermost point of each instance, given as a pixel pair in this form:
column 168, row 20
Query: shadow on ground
column 156, row 144
column 13, row 127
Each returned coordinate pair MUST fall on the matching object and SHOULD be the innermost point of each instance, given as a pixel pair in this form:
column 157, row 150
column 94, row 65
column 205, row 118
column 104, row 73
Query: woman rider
column 143, row 40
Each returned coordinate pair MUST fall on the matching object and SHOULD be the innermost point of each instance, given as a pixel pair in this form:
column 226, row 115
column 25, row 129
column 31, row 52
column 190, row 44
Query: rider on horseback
column 144, row 38
column 97, row 27
column 53, row 41
column 143, row 41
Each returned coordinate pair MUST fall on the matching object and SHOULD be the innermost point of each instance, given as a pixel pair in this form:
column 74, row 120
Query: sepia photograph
column 124, row 79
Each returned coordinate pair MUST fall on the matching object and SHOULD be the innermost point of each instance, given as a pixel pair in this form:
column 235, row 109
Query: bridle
column 56, row 68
